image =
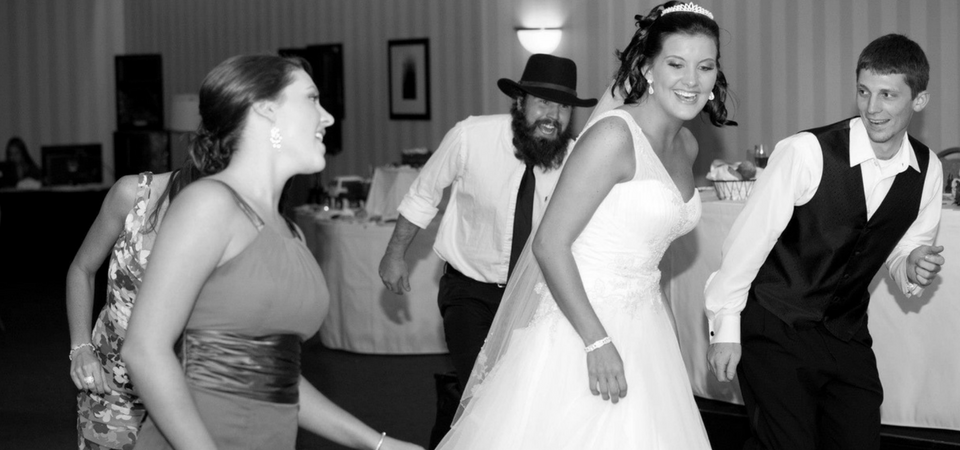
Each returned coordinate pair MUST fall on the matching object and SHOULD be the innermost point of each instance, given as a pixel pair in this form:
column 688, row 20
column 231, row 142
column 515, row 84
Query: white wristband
column 598, row 344
column 382, row 436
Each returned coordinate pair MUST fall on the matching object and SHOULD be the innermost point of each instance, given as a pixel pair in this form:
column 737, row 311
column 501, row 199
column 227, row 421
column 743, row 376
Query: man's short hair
column 896, row 53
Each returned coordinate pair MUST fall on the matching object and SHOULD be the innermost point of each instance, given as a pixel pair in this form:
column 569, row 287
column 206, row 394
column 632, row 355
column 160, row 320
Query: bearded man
column 503, row 169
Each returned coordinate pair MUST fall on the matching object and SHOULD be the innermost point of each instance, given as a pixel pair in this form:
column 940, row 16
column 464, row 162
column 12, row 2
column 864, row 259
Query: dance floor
column 394, row 393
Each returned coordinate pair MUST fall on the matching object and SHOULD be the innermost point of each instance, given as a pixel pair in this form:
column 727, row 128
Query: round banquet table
column 365, row 317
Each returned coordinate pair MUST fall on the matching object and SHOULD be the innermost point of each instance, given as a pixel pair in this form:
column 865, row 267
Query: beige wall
column 790, row 63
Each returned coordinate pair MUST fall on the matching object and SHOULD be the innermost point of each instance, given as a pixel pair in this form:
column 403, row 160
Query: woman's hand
column 86, row 371
column 605, row 373
column 390, row 443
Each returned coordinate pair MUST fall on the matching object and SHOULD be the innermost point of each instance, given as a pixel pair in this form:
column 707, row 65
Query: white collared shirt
column 791, row 179
column 477, row 158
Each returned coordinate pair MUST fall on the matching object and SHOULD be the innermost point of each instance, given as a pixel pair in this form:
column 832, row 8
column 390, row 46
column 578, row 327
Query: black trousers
column 806, row 389
column 468, row 307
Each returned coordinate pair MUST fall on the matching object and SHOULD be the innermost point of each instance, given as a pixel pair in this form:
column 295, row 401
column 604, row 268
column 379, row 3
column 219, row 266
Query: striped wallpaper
column 56, row 73
column 790, row 63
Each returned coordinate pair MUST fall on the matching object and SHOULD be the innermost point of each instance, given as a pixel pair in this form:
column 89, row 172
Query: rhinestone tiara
column 688, row 7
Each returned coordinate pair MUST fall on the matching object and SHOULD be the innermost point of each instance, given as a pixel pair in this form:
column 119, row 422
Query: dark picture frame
column 408, row 63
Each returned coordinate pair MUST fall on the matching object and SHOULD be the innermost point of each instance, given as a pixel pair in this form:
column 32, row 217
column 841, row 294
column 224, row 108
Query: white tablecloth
column 364, row 316
column 387, row 189
column 915, row 340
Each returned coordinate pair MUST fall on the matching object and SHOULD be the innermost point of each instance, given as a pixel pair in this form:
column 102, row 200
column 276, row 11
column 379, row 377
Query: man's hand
column 394, row 273
column 723, row 358
column 923, row 263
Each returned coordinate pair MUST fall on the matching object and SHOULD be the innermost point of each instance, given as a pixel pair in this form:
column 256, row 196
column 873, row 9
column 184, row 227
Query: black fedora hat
column 548, row 77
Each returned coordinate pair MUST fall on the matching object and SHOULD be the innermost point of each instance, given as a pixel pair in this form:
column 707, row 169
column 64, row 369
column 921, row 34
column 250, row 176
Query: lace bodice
column 618, row 253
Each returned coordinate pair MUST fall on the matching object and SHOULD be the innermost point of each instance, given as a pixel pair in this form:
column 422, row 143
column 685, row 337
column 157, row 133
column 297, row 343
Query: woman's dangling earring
column 650, row 87
column 711, row 97
column 275, row 137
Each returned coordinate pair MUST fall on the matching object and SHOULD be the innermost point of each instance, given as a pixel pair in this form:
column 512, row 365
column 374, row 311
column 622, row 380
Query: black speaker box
column 139, row 151
column 139, row 92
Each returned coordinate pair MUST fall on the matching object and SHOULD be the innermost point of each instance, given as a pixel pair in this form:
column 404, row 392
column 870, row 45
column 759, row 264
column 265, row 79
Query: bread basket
column 737, row 190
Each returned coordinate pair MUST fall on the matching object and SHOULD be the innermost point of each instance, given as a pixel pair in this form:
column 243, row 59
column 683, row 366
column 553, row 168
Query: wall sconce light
column 539, row 40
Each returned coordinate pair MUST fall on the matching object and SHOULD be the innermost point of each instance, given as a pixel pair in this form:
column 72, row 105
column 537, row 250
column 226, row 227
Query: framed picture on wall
column 408, row 61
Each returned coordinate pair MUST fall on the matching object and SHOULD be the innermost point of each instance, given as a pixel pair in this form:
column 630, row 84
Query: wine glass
column 760, row 156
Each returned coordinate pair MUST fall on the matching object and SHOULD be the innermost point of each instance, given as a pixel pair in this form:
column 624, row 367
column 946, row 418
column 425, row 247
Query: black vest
column 821, row 267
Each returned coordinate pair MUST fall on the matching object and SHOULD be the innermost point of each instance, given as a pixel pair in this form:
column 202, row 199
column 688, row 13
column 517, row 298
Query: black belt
column 265, row 368
column 448, row 269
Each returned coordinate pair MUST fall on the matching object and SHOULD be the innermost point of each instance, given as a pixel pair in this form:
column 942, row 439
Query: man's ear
column 920, row 101
column 267, row 109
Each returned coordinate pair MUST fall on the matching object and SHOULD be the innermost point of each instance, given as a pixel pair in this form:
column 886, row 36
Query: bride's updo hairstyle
column 646, row 44
column 226, row 95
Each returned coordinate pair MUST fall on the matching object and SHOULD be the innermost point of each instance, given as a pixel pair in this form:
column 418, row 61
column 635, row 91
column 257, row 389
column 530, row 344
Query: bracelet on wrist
column 598, row 344
column 380, row 442
column 78, row 347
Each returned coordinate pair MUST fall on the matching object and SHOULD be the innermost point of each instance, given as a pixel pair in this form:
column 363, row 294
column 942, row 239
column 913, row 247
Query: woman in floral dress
column 109, row 413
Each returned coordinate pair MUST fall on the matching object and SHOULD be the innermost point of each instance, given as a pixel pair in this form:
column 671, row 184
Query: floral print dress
column 112, row 420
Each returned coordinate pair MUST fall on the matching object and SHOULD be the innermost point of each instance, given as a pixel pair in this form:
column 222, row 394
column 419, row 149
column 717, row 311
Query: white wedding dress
column 537, row 397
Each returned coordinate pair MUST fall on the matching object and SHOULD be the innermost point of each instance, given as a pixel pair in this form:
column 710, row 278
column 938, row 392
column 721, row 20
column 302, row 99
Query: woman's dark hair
column 179, row 179
column 647, row 42
column 226, row 94
column 26, row 166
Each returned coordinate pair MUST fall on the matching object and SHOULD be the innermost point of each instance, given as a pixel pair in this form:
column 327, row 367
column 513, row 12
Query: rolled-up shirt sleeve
column 790, row 179
column 419, row 205
column 923, row 230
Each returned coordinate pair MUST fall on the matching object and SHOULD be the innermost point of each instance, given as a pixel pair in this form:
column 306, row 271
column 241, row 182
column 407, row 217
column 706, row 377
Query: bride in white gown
column 627, row 191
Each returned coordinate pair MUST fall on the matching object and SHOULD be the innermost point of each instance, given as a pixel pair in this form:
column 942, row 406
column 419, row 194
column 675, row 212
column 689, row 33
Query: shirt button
column 846, row 275
column 711, row 334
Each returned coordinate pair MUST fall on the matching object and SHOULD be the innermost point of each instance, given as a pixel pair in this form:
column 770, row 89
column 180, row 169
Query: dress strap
column 244, row 206
column 143, row 194
column 293, row 228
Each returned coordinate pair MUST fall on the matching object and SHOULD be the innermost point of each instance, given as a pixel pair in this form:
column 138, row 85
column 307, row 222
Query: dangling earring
column 711, row 97
column 275, row 137
column 650, row 87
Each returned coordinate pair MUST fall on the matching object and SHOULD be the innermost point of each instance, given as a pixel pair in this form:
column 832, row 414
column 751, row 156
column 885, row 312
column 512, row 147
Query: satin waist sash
column 265, row 368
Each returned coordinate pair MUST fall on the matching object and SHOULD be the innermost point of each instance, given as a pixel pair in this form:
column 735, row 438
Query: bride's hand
column 605, row 372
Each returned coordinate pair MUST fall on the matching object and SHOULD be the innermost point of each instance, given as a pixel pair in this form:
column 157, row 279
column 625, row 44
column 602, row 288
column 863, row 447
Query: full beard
column 531, row 149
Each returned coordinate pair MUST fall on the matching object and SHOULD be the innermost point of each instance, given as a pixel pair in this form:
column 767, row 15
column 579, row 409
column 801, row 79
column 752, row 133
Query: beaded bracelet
column 598, row 344
column 78, row 347
column 380, row 442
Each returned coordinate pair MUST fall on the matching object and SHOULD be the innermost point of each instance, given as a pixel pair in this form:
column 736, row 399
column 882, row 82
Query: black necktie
column 523, row 217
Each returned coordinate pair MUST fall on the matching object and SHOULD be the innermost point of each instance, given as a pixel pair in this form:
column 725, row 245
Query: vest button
column 846, row 275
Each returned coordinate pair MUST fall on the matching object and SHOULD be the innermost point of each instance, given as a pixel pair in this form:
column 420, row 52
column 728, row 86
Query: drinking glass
column 760, row 156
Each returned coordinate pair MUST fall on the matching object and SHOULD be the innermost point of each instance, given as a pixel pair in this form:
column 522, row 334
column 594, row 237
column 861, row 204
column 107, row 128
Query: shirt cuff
column 725, row 329
column 417, row 211
column 913, row 290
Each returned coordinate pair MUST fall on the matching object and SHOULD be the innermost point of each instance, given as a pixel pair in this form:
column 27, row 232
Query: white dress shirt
column 477, row 158
column 791, row 179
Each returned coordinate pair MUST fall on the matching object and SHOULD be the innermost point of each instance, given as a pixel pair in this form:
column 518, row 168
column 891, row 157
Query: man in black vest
column 788, row 307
